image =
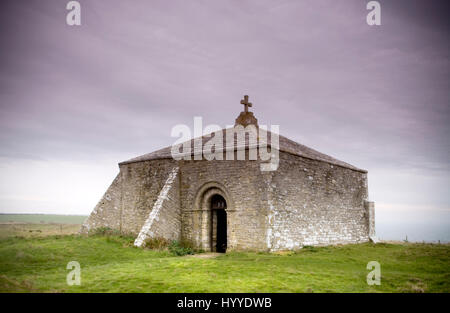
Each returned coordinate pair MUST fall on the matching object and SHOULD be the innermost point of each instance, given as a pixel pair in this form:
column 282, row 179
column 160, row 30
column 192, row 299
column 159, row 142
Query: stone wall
column 141, row 185
column 315, row 203
column 245, row 193
column 108, row 210
column 370, row 217
column 164, row 220
column 129, row 200
column 304, row 202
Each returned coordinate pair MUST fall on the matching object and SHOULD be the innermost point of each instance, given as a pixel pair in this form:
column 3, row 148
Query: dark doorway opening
column 219, row 224
column 221, row 245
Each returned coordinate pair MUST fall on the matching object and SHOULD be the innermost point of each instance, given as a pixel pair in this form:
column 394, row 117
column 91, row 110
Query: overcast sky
column 76, row 100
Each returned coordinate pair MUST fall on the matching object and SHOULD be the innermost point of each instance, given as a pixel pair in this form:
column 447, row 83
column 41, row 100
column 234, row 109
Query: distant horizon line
column 44, row 214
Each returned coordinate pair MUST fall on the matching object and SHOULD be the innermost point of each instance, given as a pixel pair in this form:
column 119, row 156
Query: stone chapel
column 308, row 198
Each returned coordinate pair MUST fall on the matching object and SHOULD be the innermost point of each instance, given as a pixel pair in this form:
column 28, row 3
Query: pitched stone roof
column 285, row 145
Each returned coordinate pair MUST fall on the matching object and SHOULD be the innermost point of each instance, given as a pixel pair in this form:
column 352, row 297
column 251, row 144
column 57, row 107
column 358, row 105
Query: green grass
column 112, row 264
column 42, row 218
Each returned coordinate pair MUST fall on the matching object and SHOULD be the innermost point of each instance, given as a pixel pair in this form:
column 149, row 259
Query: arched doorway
column 213, row 203
column 218, row 224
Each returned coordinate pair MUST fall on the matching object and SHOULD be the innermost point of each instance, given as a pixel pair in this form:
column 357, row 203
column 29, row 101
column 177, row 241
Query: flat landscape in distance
column 42, row 218
column 32, row 225
column 33, row 258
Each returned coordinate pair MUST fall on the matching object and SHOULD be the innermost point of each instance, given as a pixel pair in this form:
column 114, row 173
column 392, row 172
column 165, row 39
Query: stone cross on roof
column 246, row 103
column 246, row 117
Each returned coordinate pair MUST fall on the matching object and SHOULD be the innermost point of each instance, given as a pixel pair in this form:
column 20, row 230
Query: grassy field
column 35, row 250
column 37, row 230
column 112, row 264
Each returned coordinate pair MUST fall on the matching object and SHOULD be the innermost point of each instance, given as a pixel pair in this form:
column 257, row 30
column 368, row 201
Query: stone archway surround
column 203, row 204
